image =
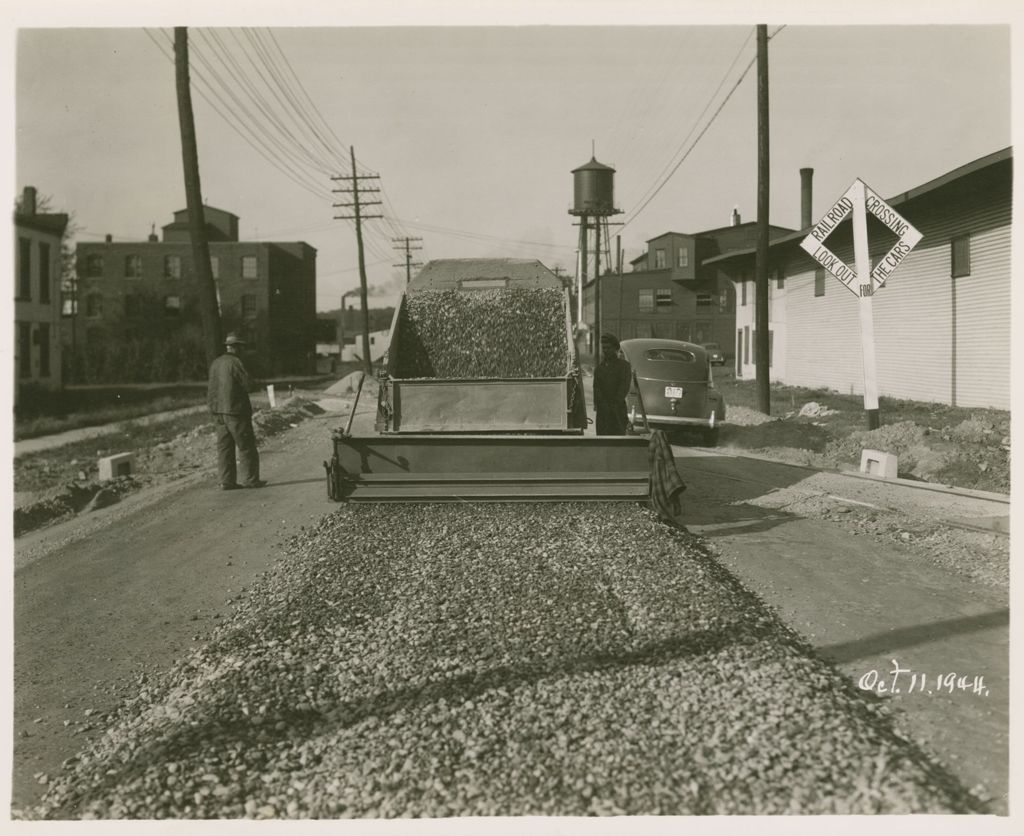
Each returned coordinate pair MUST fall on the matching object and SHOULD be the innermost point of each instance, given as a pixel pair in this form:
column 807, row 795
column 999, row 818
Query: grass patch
column 46, row 413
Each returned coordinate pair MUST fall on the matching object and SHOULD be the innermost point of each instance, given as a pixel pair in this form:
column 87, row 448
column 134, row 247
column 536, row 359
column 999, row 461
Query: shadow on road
column 910, row 636
column 719, row 489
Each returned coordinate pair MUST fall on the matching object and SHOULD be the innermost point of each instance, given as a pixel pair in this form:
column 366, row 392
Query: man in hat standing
column 228, row 397
column 612, row 378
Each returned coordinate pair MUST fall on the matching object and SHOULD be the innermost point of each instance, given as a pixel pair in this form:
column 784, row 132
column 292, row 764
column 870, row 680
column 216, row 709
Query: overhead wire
column 635, row 212
column 220, row 106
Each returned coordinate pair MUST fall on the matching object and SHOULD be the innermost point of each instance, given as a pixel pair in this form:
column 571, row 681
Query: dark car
column 677, row 389
column 715, row 356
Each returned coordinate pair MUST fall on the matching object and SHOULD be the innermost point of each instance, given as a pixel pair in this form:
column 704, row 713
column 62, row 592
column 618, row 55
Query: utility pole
column 208, row 311
column 359, row 217
column 761, row 290
column 409, row 263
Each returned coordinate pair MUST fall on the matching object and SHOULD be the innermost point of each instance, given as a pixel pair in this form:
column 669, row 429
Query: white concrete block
column 877, row 463
column 113, row 466
column 270, row 395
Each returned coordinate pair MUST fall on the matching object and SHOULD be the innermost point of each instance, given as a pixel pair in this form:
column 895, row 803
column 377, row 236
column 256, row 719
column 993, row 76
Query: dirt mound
column 184, row 454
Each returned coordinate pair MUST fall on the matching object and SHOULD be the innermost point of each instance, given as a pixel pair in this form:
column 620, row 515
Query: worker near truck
column 227, row 395
column 612, row 378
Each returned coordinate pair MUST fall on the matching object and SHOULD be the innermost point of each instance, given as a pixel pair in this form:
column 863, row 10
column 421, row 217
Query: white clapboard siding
column 822, row 335
column 983, row 323
column 917, row 357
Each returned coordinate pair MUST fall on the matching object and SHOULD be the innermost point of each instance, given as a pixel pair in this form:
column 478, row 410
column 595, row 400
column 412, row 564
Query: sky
column 474, row 130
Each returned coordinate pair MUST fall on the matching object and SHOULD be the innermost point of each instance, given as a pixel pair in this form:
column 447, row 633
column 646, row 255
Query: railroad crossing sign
column 862, row 280
column 858, row 199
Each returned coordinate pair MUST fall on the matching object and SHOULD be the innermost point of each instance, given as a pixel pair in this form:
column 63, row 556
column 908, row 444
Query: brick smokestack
column 28, row 201
column 806, row 176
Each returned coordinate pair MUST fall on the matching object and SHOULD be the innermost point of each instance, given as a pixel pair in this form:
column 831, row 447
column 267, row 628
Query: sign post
column 863, row 281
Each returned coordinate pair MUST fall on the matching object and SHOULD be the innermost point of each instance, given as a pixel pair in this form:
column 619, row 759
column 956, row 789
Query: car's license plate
column 673, row 391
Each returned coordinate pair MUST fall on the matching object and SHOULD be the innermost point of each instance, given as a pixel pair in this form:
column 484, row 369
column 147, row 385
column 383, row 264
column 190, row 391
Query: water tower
column 593, row 204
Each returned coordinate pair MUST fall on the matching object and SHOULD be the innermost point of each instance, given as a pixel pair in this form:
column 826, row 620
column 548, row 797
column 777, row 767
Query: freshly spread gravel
column 520, row 659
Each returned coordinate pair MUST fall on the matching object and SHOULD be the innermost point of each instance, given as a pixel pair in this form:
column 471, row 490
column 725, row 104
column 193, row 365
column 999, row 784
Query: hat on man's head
column 609, row 341
column 233, row 339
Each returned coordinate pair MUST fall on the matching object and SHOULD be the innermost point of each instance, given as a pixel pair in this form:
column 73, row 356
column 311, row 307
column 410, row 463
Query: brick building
column 670, row 293
column 138, row 291
column 37, row 299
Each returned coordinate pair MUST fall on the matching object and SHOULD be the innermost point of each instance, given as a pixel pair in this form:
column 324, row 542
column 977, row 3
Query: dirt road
column 102, row 599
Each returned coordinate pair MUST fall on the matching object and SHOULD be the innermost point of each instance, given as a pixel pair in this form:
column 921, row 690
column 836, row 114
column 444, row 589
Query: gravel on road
column 508, row 659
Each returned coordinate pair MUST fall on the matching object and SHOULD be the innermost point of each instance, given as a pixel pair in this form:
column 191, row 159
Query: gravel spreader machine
column 481, row 397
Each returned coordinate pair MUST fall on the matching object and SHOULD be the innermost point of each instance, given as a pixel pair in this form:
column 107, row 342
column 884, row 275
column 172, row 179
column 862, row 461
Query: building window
column 94, row 305
column 643, row 330
column 659, row 259
column 705, row 300
column 771, row 347
column 746, row 345
column 44, row 273
column 248, row 306
column 725, row 299
column 819, row 282
column 215, row 266
column 683, row 257
column 93, row 265
column 24, row 349
column 172, row 305
column 24, row 268
column 172, row 266
column 645, row 301
column 663, row 297
column 780, row 279
column 960, row 256
column 43, row 338
column 249, row 269
column 701, row 332
column 133, row 266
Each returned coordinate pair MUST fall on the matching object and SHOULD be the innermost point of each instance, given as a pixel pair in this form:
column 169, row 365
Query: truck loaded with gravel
column 481, row 396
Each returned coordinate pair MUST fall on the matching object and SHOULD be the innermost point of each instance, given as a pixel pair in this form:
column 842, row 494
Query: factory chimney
column 28, row 201
column 806, row 175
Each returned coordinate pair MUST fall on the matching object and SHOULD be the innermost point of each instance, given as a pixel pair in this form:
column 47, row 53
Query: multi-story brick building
column 37, row 300
column 139, row 291
column 670, row 293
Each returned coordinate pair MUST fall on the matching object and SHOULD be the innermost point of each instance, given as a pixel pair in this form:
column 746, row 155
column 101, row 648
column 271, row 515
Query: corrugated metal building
column 942, row 320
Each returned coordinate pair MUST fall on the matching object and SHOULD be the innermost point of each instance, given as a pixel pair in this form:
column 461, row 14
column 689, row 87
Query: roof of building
column 966, row 170
column 451, row 273
column 718, row 230
column 54, row 223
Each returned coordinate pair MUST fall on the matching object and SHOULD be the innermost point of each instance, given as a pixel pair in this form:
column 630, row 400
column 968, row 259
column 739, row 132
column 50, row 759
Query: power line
column 675, row 168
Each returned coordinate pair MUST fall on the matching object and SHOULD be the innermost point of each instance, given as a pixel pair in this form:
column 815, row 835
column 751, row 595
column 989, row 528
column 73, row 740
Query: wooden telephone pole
column 208, row 311
column 761, row 289
column 409, row 263
column 359, row 217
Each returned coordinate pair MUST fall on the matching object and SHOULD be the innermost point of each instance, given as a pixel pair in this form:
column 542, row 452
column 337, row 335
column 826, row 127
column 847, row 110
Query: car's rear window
column 671, row 355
